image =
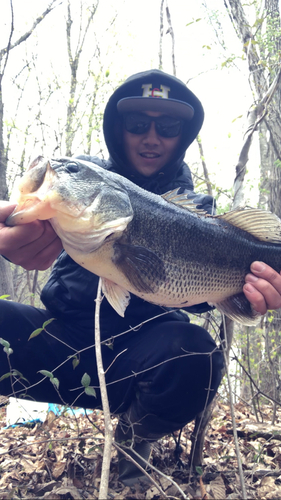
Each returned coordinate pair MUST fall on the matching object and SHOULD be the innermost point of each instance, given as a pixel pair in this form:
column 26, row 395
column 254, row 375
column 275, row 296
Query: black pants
column 172, row 367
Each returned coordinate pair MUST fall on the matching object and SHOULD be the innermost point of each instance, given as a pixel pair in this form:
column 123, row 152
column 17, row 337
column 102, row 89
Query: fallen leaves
column 62, row 459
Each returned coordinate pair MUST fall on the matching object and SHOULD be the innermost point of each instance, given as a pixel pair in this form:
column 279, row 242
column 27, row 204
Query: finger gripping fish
column 160, row 248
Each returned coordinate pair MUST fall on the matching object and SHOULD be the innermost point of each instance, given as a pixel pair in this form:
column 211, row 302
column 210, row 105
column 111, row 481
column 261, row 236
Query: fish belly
column 187, row 284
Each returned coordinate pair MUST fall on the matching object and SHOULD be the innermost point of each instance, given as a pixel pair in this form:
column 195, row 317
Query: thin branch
column 108, row 434
column 26, row 35
column 9, row 42
column 235, row 358
column 235, row 435
column 205, row 170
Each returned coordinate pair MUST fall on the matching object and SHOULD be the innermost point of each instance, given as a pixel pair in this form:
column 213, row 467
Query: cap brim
column 174, row 107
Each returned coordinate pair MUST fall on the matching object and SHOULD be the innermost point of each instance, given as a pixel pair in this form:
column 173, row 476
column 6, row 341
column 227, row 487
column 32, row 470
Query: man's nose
column 151, row 135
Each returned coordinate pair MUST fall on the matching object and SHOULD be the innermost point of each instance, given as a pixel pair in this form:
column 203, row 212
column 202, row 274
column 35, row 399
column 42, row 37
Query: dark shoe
column 129, row 473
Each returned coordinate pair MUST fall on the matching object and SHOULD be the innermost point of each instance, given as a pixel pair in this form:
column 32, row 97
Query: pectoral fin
column 142, row 267
column 117, row 296
column 238, row 308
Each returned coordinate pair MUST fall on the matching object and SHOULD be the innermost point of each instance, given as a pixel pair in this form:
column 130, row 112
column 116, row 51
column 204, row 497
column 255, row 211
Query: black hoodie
column 71, row 290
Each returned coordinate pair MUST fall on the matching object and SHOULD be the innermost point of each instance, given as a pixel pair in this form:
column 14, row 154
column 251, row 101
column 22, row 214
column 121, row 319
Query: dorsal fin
column 263, row 225
column 183, row 201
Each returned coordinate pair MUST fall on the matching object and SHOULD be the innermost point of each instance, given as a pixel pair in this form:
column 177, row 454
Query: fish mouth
column 33, row 200
column 46, row 192
column 29, row 210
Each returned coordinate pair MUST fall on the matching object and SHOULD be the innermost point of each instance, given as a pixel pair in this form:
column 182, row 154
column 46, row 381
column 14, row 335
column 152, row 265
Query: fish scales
column 192, row 272
column 163, row 251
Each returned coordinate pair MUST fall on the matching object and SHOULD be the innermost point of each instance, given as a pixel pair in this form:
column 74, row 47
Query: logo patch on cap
column 148, row 91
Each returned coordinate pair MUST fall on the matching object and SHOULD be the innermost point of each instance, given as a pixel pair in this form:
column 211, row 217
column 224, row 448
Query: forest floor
column 61, row 458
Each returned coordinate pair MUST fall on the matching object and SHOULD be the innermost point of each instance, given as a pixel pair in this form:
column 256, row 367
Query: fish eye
column 72, row 167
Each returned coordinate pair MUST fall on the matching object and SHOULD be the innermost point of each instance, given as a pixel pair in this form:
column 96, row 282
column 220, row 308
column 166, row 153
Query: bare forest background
column 59, row 62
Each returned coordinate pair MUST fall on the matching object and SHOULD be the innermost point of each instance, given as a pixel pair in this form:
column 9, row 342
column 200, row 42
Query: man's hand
column 32, row 246
column 263, row 287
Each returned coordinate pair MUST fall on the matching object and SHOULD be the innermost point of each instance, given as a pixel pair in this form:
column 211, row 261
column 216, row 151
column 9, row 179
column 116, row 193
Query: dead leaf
column 218, row 488
column 77, row 483
column 151, row 493
column 272, row 495
column 8, row 476
column 41, row 489
column 52, row 496
column 59, row 454
column 49, row 422
column 40, row 465
column 164, row 482
column 28, row 466
column 58, row 469
column 268, row 488
column 268, row 481
column 203, row 491
column 69, row 490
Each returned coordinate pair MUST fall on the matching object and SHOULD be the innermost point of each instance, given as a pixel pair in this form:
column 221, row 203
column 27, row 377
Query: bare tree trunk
column 262, row 49
column 161, row 35
column 6, row 281
column 74, row 60
column 171, row 32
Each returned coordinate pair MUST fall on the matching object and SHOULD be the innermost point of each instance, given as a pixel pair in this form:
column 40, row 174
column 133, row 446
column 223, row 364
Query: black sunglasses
column 139, row 123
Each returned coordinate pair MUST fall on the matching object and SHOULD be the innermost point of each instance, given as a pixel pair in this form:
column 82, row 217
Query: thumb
column 6, row 208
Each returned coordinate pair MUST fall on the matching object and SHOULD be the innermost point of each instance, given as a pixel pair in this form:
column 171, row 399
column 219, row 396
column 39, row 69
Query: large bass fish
column 160, row 248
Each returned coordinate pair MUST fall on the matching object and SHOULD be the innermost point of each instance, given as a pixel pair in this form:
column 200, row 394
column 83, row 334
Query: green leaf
column 6, row 375
column 90, row 391
column 35, row 333
column 86, row 380
column 4, row 297
column 5, row 343
column 75, row 362
column 55, row 382
column 193, row 21
column 8, row 350
column 237, row 118
column 199, row 470
column 46, row 323
column 16, row 373
column 46, row 373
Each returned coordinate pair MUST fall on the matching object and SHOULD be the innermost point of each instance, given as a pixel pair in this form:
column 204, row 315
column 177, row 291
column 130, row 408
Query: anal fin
column 238, row 308
column 117, row 296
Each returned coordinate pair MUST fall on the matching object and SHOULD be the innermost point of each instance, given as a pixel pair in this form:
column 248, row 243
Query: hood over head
column 151, row 90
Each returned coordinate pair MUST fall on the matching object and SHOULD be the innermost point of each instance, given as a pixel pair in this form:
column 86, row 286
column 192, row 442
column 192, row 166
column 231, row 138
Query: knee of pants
column 180, row 349
column 187, row 378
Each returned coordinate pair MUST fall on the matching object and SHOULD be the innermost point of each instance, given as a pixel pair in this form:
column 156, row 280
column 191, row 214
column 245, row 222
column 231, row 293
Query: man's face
column 147, row 153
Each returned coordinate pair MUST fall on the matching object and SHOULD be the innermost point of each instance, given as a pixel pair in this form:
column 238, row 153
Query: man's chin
column 148, row 168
